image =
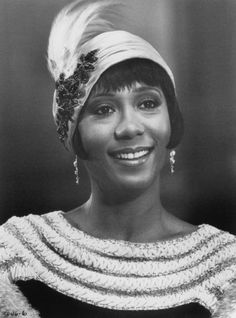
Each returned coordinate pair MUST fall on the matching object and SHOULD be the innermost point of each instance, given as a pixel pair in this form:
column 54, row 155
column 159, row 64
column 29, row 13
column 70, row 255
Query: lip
column 131, row 156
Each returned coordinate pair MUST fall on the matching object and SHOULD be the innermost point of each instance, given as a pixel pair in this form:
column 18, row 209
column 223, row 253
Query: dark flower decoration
column 70, row 90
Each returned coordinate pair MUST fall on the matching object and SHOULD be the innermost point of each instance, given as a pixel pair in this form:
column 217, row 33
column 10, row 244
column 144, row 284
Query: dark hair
column 126, row 73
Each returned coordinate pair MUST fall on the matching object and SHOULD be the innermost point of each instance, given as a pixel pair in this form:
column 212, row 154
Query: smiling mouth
column 131, row 154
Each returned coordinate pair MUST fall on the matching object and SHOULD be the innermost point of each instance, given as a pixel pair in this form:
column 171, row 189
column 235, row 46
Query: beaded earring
column 172, row 161
column 76, row 170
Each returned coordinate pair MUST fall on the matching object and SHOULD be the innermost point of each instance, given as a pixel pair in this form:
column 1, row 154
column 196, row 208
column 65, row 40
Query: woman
column 121, row 254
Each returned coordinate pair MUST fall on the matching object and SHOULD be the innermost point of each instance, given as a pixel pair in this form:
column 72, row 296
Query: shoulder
column 17, row 228
column 205, row 261
column 218, row 246
column 221, row 240
column 217, row 255
column 18, row 224
column 19, row 238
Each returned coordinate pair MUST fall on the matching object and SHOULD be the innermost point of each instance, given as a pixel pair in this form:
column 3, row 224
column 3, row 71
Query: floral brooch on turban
column 70, row 90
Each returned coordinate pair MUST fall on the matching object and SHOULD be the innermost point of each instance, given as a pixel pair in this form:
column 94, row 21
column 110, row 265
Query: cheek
column 161, row 130
column 94, row 138
column 161, row 134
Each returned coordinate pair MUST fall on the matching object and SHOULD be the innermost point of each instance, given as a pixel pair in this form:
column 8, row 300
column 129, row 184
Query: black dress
column 52, row 304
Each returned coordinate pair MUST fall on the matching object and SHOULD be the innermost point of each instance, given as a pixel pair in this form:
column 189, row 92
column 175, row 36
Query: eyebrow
column 147, row 88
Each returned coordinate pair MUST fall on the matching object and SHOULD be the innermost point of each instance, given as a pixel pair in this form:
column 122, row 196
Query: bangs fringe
column 126, row 73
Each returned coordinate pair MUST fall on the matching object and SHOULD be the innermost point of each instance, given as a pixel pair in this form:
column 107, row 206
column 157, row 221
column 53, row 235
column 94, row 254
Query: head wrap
column 81, row 48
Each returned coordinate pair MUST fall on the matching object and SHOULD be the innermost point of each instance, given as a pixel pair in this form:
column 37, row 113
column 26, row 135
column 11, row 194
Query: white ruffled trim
column 227, row 307
column 119, row 274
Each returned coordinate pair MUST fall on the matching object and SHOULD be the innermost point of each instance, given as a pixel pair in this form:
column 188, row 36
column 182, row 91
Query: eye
column 149, row 104
column 104, row 110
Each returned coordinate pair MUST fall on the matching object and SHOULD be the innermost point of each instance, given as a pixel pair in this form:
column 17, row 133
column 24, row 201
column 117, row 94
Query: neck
column 138, row 216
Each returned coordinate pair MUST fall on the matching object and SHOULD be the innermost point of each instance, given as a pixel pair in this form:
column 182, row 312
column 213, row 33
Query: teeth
column 131, row 155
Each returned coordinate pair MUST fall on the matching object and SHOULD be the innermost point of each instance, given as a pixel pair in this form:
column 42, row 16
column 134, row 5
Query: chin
column 136, row 181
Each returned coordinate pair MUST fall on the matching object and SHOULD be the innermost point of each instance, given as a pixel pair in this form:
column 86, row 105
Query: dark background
column 198, row 40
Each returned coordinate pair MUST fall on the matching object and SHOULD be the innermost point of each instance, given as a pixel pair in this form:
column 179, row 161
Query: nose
column 129, row 126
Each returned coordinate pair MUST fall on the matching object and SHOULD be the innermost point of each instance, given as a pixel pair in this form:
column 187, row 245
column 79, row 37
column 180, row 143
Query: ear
column 78, row 146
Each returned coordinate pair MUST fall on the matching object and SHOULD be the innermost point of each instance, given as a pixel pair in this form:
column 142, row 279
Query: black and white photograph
column 118, row 159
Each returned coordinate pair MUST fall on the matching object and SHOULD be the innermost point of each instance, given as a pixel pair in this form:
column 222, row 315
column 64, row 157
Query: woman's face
column 124, row 134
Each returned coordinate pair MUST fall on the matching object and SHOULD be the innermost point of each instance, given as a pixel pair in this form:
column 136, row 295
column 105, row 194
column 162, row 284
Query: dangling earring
column 172, row 161
column 76, row 170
